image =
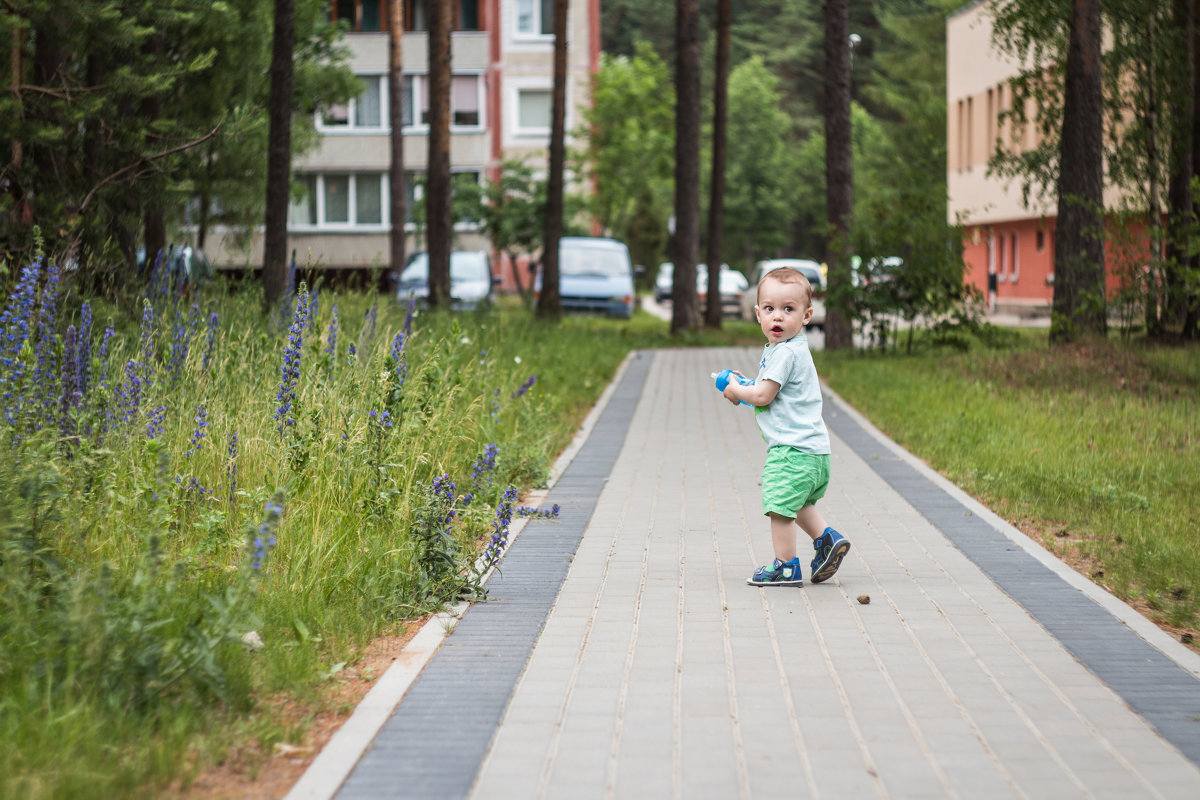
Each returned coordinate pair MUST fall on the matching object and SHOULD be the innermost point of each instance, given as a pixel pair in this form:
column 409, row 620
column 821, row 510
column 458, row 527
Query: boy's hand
column 730, row 392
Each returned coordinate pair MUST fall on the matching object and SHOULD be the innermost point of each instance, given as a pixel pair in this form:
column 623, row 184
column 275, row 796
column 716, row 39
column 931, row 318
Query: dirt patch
column 250, row 773
column 1067, row 546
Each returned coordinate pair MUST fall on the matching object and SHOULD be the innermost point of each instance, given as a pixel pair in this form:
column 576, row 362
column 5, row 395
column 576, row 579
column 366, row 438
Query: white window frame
column 1014, row 255
column 530, row 36
column 352, row 110
column 516, row 87
column 352, row 199
column 420, row 81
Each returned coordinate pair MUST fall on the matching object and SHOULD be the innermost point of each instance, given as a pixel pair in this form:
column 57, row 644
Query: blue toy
column 722, row 380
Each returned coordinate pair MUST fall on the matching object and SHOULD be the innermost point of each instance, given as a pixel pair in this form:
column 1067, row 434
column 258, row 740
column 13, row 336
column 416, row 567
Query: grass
column 1091, row 449
column 184, row 494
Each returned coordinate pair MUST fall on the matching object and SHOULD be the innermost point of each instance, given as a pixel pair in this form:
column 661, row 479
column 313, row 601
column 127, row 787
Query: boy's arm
column 756, row 394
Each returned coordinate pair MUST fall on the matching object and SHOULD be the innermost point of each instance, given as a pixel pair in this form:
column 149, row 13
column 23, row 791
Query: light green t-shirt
column 794, row 417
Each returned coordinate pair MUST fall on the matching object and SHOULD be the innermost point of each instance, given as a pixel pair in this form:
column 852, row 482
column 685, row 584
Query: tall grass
column 1090, row 448
column 203, row 505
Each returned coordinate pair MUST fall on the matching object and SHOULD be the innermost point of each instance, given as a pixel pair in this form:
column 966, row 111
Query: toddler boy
column 787, row 400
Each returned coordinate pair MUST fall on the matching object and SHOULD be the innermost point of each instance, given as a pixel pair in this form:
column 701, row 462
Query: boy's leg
column 829, row 546
column 811, row 521
column 785, row 570
column 783, row 537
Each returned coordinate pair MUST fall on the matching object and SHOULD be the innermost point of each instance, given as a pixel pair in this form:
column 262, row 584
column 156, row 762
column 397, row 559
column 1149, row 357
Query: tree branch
column 142, row 162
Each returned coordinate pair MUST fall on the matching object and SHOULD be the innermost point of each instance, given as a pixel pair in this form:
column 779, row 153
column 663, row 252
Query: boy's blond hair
column 788, row 275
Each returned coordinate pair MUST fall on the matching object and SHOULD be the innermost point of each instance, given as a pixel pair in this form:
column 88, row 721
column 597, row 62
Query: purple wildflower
column 408, row 315
column 331, row 341
column 201, row 430
column 499, row 540
column 525, row 387
column 443, row 488
column 154, row 425
column 264, row 540
column 231, row 467
column 146, row 353
column 539, row 513
column 83, row 352
column 399, row 362
column 369, row 317
column 210, row 339
column 130, row 396
column 483, row 468
column 46, row 372
column 285, row 412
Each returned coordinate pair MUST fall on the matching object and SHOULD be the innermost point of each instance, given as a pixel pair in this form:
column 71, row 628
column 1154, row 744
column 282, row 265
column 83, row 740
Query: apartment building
column 1008, row 246
column 502, row 77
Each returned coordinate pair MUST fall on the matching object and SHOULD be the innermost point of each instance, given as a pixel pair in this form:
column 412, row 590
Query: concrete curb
column 329, row 770
column 1122, row 611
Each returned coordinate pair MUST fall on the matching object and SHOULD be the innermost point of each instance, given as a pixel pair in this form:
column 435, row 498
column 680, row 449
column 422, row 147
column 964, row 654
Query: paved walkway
column 980, row 667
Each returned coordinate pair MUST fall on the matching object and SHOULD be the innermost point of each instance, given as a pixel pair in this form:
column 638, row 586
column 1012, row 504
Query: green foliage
column 1087, row 448
column 630, row 151
column 150, row 575
column 127, row 108
column 512, row 212
column 761, row 181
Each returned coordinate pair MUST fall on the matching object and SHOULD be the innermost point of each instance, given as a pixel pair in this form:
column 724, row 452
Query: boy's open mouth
column 776, row 329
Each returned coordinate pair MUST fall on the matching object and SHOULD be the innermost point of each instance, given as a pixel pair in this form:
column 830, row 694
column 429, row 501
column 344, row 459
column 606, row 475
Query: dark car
column 471, row 280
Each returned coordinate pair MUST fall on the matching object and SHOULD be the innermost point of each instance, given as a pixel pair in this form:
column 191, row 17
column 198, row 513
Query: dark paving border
column 434, row 744
column 1153, row 685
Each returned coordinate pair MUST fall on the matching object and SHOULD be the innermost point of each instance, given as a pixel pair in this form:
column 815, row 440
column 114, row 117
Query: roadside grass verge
column 204, row 509
column 1090, row 449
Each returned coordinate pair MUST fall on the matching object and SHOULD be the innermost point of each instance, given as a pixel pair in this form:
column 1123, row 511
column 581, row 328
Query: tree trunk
column 279, row 154
column 1079, row 304
column 154, row 223
column 716, row 200
column 1179, row 189
column 438, row 222
column 839, row 191
column 550, row 303
column 686, row 250
column 1191, row 319
column 397, row 185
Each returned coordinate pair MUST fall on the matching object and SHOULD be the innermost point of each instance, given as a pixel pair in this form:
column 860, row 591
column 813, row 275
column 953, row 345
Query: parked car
column 733, row 288
column 471, row 279
column 733, row 284
column 811, row 269
column 188, row 265
column 664, row 282
column 594, row 274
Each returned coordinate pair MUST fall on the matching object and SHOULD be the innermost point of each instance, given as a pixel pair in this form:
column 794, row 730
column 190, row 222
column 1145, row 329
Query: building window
column 345, row 200
column 465, row 101
column 1013, row 254
column 1001, row 263
column 360, row 15
column 1041, row 241
column 368, row 111
column 535, row 18
column 366, row 16
column 533, row 111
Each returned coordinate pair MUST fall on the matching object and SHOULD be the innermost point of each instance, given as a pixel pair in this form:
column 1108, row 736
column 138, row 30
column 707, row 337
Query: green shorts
column 793, row 479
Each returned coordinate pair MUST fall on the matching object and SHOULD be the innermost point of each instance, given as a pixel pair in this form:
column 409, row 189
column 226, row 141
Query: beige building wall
column 508, row 64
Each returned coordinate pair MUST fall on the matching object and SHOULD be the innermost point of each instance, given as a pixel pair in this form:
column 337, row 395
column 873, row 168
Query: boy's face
column 783, row 309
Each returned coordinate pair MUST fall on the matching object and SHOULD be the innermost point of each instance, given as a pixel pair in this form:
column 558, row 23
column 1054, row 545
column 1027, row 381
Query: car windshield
column 464, row 266
column 592, row 261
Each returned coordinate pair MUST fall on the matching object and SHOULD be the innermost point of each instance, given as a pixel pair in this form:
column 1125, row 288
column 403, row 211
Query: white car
column 811, row 269
column 733, row 289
